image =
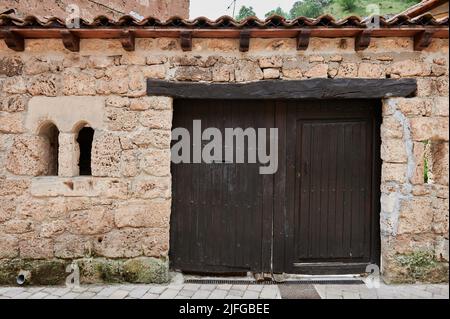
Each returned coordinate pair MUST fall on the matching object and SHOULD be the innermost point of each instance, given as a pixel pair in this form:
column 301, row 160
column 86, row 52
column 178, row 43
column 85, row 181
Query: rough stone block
column 11, row 123
column 317, row 71
column 121, row 119
column 146, row 270
column 29, row 155
column 152, row 187
column 393, row 172
column 106, row 154
column 440, row 159
column 156, row 162
column 393, row 151
column 247, row 70
column 416, row 216
column 97, row 220
column 429, row 128
column 156, row 119
column 152, row 214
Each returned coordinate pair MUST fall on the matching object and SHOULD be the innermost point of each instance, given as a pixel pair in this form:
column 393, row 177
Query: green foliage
column 418, row 263
column 278, row 11
column 345, row 8
column 245, row 12
column 306, row 8
column 348, row 5
column 426, row 168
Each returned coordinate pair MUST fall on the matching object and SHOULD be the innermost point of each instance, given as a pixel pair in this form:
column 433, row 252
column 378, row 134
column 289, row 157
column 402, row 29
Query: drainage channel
column 273, row 282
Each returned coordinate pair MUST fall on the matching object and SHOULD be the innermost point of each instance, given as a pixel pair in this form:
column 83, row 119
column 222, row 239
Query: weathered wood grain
column 299, row 89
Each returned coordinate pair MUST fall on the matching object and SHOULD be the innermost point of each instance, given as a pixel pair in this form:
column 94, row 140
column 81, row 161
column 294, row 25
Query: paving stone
column 150, row 296
column 157, row 289
column 119, row 294
column 38, row 295
column 201, row 294
column 193, row 287
column 208, row 287
column 86, row 295
column 224, row 286
column 108, row 291
column 70, row 295
column 269, row 292
column 169, row 294
column 250, row 295
column 186, row 293
column 23, row 295
column 255, row 287
column 239, row 287
column 13, row 292
column 138, row 292
column 236, row 293
column 218, row 294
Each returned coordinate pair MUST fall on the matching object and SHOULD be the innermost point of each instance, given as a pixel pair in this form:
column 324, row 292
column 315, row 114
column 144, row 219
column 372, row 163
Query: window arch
column 50, row 132
column 84, row 139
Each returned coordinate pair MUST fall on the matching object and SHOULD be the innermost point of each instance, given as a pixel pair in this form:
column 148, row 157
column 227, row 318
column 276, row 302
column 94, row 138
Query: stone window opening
column 84, row 139
column 50, row 132
column 435, row 162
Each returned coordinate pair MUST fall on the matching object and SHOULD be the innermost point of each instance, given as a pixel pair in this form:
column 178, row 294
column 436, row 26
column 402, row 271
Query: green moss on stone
column 421, row 266
column 43, row 272
column 146, row 270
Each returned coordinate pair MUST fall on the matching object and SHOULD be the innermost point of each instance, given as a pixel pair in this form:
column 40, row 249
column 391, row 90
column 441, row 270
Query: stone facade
column 163, row 9
column 116, row 222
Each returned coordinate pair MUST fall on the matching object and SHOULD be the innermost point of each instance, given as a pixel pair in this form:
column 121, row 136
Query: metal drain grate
column 272, row 282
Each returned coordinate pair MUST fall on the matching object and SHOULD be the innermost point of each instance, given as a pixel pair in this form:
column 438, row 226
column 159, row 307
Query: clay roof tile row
column 224, row 22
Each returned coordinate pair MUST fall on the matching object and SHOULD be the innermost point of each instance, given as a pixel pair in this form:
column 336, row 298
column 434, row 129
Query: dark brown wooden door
column 221, row 212
column 317, row 214
column 329, row 181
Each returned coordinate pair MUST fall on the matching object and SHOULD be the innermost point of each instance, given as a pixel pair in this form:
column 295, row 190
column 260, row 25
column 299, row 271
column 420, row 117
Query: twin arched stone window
column 79, row 144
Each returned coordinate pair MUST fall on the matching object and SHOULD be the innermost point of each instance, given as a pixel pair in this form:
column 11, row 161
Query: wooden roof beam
column 70, row 40
column 303, row 39
column 244, row 41
column 127, row 39
column 422, row 40
column 362, row 40
column 13, row 40
column 186, row 40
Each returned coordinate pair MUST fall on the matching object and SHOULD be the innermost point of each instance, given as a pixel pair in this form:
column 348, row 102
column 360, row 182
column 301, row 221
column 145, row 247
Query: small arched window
column 85, row 138
column 51, row 133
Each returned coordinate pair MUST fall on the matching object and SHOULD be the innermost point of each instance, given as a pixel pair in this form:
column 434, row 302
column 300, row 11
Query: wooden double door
column 318, row 213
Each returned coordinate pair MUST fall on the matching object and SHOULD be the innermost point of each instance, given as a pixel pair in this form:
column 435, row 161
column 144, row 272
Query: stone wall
column 161, row 9
column 116, row 222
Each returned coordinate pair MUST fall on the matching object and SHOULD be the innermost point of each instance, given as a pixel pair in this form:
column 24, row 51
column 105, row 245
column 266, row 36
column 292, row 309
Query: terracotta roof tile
column 224, row 22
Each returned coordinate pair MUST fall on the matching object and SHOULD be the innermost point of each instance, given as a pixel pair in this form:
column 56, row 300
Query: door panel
column 329, row 181
column 221, row 212
column 317, row 214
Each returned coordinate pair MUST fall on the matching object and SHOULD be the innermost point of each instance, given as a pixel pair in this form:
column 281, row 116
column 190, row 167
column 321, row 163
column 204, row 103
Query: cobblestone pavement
column 222, row 291
column 418, row 291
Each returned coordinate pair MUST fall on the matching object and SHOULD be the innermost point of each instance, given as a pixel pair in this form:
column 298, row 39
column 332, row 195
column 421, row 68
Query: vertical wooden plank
column 332, row 208
column 280, row 196
column 292, row 110
column 267, row 121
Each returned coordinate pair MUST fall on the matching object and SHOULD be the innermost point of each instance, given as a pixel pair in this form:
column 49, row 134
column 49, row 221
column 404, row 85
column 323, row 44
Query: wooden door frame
column 316, row 89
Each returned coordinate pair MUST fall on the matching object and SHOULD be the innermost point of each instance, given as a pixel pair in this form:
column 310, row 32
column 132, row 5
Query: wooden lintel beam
column 303, row 39
column 422, row 40
column 13, row 40
column 186, row 40
column 127, row 38
column 70, row 40
column 344, row 88
column 362, row 40
column 244, row 41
